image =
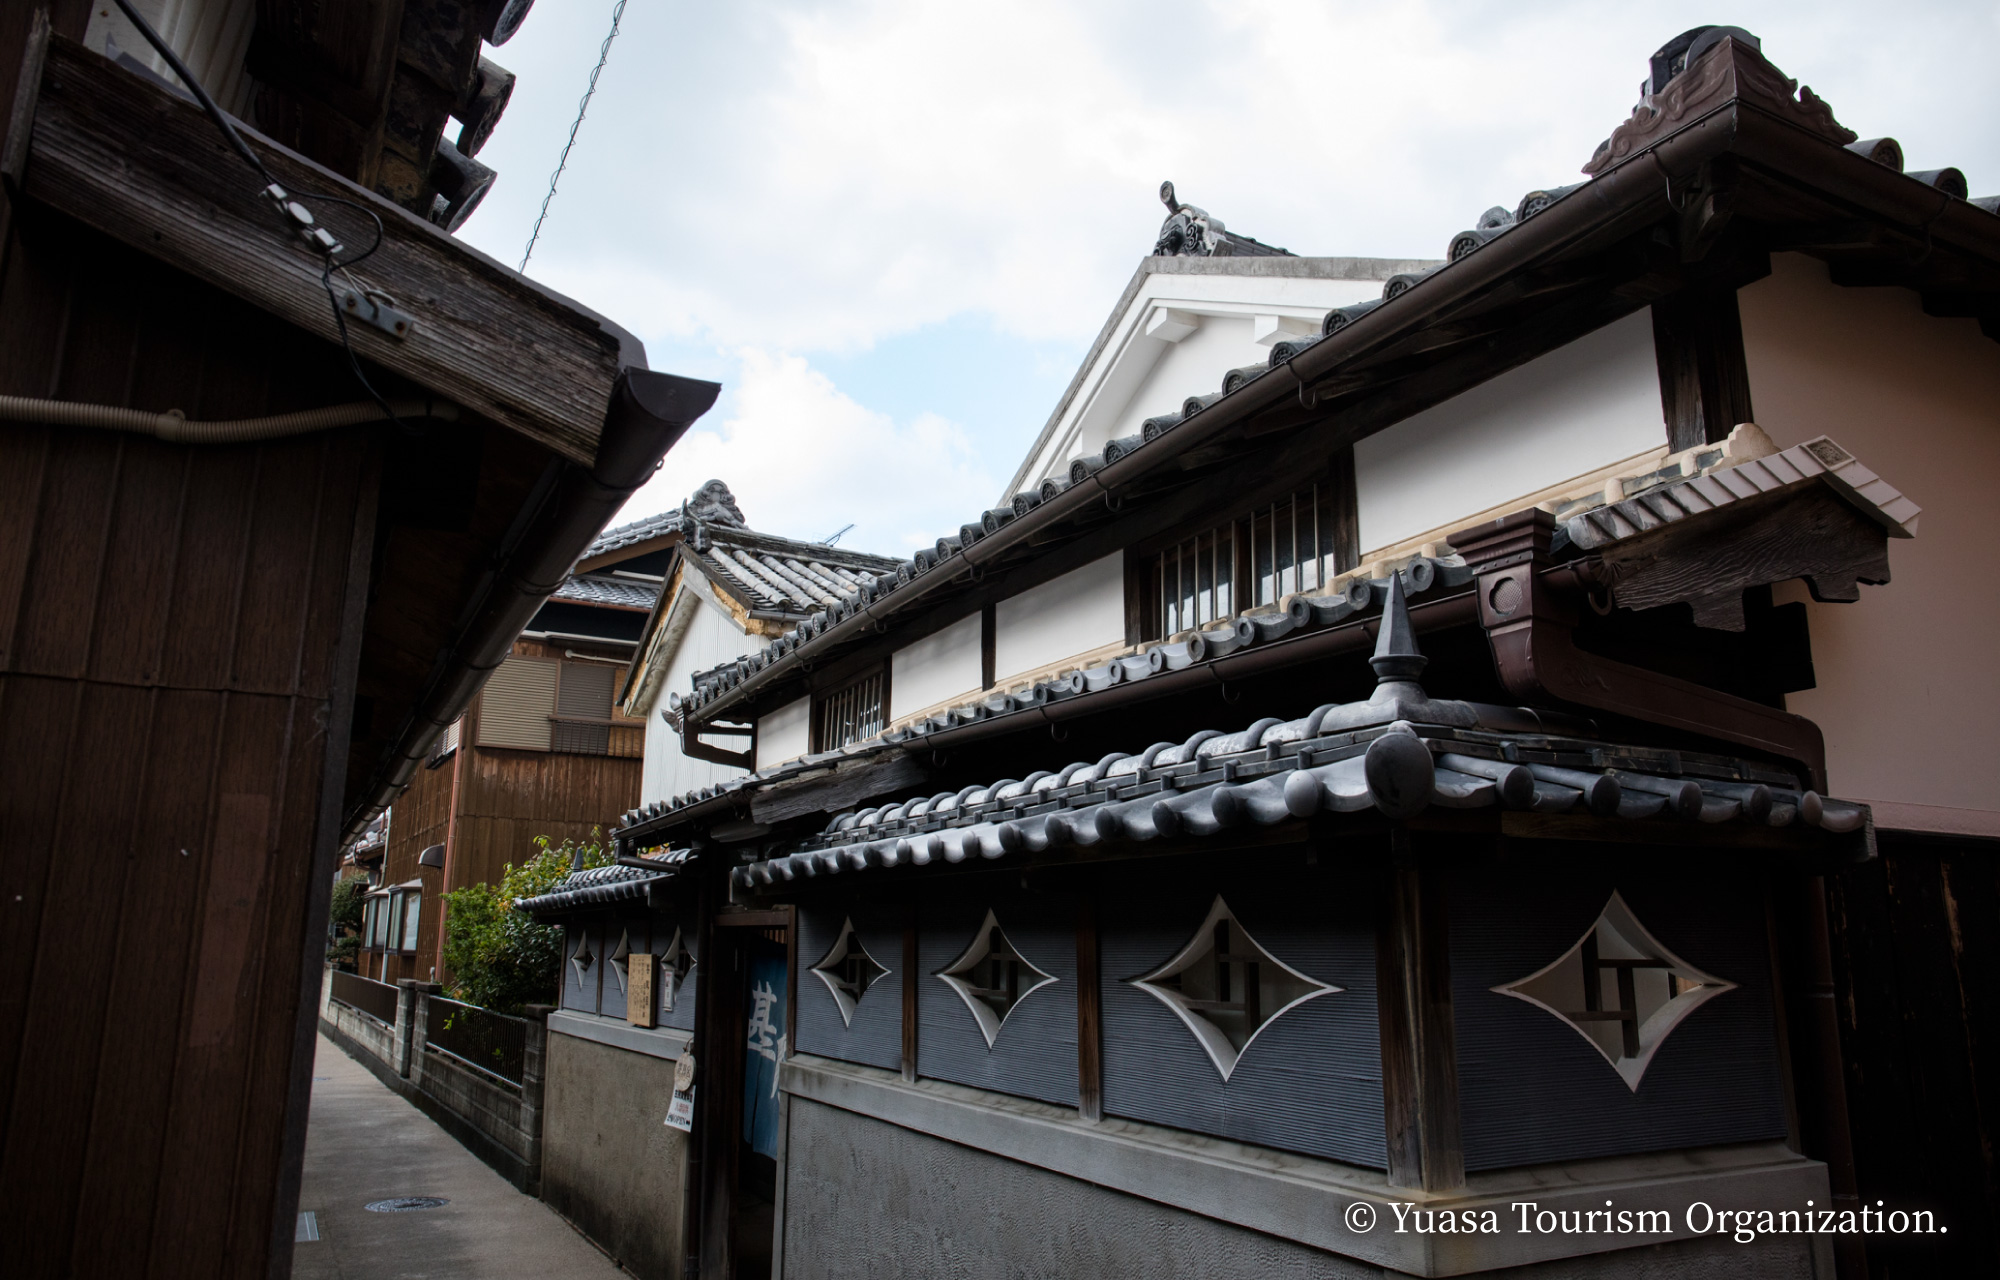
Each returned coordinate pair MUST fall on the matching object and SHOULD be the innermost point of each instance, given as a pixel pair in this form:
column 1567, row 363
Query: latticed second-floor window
column 852, row 713
column 1262, row 556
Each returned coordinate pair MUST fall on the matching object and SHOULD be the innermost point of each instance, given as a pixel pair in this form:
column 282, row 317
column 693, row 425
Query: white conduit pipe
column 173, row 425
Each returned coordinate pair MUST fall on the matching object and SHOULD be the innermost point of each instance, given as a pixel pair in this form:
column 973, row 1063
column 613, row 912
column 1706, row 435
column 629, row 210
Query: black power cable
column 295, row 214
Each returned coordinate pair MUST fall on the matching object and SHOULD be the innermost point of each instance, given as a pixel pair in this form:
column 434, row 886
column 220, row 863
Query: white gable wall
column 1908, row 689
column 1578, row 408
column 1152, row 361
column 711, row 639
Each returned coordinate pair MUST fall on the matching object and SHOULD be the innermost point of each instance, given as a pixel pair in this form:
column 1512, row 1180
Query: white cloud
column 815, row 176
column 803, row 460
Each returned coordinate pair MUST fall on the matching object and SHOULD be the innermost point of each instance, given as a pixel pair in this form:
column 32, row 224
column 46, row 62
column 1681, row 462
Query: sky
column 891, row 228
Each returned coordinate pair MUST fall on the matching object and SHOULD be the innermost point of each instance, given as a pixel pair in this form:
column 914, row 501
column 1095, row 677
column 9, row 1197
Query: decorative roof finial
column 1167, row 197
column 714, row 504
column 1397, row 658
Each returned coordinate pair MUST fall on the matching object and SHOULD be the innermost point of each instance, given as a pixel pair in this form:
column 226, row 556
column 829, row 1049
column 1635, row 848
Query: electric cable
column 603, row 56
column 297, row 215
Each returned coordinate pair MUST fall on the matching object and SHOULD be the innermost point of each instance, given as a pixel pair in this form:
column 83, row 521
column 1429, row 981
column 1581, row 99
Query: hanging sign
column 680, row 1112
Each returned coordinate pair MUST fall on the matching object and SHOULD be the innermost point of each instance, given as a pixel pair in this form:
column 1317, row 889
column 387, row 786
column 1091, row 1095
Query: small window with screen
column 852, row 713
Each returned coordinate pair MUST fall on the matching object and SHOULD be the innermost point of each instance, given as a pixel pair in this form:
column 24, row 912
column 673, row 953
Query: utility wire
column 294, row 213
column 603, row 55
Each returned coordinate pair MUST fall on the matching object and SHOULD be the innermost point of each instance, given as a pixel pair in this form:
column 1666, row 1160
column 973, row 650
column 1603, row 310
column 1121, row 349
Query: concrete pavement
column 365, row 1144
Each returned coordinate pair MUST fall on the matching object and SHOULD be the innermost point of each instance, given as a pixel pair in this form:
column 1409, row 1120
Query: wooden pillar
column 1089, row 1014
column 910, row 979
column 1419, row 1053
column 1704, row 379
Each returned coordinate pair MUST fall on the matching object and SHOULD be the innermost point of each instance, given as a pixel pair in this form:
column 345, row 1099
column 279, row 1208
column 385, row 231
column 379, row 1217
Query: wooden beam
column 145, row 166
column 843, row 787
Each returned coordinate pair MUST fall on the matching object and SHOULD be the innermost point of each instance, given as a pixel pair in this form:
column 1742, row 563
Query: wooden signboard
column 639, row 1000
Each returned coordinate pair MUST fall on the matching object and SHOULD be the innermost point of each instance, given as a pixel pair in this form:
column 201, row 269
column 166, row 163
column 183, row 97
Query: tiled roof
column 600, row 886
column 782, row 575
column 590, row 588
column 945, row 556
column 1189, row 232
column 1399, row 753
column 627, row 535
column 1666, row 498
column 712, row 504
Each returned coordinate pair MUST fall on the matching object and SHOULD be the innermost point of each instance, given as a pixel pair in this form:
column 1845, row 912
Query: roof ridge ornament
column 1188, row 232
column 1397, row 658
column 1717, row 65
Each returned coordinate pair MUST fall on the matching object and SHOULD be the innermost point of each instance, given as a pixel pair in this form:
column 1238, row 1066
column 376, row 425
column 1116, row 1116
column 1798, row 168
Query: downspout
column 1530, row 630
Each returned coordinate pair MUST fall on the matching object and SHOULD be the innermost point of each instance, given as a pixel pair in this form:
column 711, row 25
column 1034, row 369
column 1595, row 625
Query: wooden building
column 1401, row 778
column 543, row 750
column 238, row 605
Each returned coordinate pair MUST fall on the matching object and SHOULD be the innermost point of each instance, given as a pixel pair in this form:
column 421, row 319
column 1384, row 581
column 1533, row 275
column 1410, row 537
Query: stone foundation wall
column 867, row 1198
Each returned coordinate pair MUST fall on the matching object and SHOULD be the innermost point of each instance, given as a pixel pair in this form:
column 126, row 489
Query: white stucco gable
column 1181, row 324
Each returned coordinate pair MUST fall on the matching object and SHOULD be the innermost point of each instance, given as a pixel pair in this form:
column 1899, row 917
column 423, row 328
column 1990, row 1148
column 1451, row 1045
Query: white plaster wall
column 1136, row 377
column 944, row 664
column 1908, row 688
column 785, row 734
column 711, row 640
column 1578, row 408
column 1080, row 611
column 1191, row 367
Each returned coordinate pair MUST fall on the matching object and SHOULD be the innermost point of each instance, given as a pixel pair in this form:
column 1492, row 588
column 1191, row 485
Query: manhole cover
column 407, row 1204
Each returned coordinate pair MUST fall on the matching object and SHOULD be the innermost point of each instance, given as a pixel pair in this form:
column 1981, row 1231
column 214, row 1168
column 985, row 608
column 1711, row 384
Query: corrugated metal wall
column 175, row 630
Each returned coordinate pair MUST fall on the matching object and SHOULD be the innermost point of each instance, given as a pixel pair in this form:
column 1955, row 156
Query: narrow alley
column 365, row 1145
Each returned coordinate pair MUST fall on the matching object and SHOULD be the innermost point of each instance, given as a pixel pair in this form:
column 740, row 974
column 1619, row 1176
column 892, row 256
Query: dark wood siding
column 1916, row 948
column 177, row 641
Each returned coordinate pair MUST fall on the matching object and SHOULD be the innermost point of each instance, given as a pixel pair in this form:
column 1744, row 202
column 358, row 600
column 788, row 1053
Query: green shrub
column 342, row 952
column 498, row 957
column 349, row 899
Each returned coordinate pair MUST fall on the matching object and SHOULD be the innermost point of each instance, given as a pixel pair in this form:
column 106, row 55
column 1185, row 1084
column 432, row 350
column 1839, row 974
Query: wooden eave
column 1702, row 204
column 618, row 555
column 147, row 167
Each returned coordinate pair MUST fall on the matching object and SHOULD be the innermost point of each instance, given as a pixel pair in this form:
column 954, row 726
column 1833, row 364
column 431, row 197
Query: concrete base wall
column 867, row 1198
column 609, row 1162
column 374, row 1037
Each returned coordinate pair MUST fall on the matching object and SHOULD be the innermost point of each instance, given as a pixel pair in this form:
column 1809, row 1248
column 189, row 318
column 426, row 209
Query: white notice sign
column 680, row 1112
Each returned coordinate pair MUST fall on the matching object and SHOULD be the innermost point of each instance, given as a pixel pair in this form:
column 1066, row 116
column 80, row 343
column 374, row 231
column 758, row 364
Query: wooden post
column 910, row 980
column 1089, row 1011
column 1419, row 1052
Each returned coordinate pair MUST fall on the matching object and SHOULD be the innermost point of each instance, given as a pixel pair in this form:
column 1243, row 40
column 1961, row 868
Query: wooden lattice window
column 852, row 713
column 1297, row 542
